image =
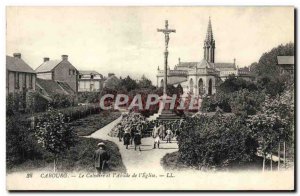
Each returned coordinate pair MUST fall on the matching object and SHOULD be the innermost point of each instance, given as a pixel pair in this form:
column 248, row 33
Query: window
column 16, row 80
column 92, row 76
column 24, row 80
column 73, row 72
column 30, row 81
column 70, row 71
column 79, row 76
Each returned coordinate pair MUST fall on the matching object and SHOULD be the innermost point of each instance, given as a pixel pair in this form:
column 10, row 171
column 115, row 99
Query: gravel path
column 148, row 160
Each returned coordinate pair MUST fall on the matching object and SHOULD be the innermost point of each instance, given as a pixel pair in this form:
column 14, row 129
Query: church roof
column 204, row 63
column 18, row 65
column 224, row 65
column 187, row 64
column 176, row 80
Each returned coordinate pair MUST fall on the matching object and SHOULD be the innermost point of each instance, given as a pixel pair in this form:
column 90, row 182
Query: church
column 201, row 78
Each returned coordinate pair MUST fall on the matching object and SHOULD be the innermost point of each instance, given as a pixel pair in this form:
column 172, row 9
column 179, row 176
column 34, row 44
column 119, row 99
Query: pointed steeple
column 209, row 33
column 209, row 44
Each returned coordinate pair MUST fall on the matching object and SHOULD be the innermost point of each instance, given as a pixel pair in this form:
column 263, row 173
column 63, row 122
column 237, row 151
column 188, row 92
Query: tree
column 54, row 134
column 246, row 102
column 233, row 83
column 128, row 84
column 145, row 82
column 267, row 64
column 272, row 125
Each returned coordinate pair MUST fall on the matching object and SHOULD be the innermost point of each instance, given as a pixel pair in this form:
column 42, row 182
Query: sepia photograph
column 150, row 98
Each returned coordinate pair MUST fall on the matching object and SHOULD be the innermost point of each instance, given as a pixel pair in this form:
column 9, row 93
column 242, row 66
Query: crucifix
column 166, row 31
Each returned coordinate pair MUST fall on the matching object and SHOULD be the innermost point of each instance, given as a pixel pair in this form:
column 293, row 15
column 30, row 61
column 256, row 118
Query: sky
column 125, row 41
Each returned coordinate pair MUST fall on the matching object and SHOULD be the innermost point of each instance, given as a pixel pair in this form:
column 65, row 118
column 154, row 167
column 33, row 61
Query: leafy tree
column 267, row 64
column 128, row 84
column 246, row 102
column 54, row 134
column 144, row 82
column 233, row 83
column 274, row 124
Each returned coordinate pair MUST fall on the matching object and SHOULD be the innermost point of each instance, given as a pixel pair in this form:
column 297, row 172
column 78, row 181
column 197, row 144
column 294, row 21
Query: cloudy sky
column 124, row 40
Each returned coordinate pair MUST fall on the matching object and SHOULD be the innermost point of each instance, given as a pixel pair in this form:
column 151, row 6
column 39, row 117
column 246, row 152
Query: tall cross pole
column 166, row 31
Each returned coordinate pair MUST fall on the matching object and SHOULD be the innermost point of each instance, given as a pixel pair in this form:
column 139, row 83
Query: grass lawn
column 88, row 125
column 78, row 158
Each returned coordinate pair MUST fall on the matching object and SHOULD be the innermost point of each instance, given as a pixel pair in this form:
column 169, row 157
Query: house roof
column 285, row 60
column 18, row 65
column 47, row 66
column 51, row 87
column 88, row 72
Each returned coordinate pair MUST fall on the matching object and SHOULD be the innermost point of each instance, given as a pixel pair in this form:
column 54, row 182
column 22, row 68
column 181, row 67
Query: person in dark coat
column 127, row 137
column 101, row 158
column 120, row 132
column 132, row 132
column 137, row 139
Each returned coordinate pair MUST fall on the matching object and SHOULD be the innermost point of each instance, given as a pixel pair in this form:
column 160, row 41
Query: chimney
column 64, row 57
column 178, row 61
column 17, row 55
column 46, row 59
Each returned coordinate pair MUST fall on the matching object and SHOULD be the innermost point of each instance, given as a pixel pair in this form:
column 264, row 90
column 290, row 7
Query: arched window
column 200, row 87
column 162, row 83
column 191, row 85
column 210, row 87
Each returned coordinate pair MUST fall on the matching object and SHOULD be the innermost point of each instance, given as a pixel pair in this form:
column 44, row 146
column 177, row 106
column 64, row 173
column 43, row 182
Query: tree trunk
column 54, row 164
column 284, row 155
column 264, row 162
column 278, row 156
column 271, row 164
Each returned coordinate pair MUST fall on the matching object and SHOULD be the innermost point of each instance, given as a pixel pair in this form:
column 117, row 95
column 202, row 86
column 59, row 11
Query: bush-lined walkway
column 148, row 160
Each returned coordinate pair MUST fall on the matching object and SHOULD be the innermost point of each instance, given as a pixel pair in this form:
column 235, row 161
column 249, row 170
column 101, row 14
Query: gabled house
column 59, row 71
column 20, row 77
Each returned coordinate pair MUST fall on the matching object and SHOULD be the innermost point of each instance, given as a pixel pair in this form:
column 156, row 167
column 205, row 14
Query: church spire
column 209, row 44
column 209, row 34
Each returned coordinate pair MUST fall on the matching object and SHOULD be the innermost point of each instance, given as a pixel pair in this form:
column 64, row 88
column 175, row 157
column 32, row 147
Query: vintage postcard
column 150, row 98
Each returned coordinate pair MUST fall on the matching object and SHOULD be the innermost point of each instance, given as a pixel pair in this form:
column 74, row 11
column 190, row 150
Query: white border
column 4, row 3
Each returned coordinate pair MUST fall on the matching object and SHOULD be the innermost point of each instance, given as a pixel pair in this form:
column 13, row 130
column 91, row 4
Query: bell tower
column 209, row 44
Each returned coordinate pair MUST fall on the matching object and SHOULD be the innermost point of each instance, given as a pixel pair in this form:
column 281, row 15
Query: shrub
column 21, row 144
column 217, row 141
column 245, row 102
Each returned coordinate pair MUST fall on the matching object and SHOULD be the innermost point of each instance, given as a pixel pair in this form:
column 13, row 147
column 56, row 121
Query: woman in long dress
column 127, row 137
column 137, row 140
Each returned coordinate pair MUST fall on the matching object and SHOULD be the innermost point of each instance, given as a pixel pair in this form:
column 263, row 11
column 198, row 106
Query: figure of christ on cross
column 166, row 31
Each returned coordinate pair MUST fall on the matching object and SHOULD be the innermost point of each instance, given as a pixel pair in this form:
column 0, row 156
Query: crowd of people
column 133, row 127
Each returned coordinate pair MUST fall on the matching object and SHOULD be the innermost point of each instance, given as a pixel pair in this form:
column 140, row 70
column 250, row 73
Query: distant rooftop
column 285, row 60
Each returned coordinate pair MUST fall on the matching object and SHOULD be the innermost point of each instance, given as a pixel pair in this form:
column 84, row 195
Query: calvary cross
column 166, row 31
